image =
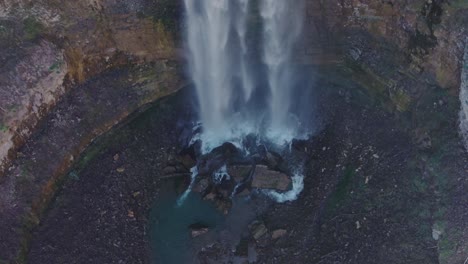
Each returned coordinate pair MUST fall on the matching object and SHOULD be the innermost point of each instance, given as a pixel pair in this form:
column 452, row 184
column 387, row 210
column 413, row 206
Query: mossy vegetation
column 3, row 127
column 33, row 29
column 342, row 188
column 401, row 100
column 166, row 12
column 461, row 4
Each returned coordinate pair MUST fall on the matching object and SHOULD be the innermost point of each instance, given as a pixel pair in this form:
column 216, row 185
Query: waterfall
column 235, row 96
column 282, row 23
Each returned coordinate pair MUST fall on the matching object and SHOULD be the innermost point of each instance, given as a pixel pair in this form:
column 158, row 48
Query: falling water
column 282, row 23
column 235, row 96
column 216, row 36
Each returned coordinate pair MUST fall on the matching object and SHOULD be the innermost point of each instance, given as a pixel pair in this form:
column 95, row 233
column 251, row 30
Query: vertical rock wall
column 464, row 97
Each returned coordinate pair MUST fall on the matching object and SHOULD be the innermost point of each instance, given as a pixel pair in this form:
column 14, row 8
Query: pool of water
column 170, row 232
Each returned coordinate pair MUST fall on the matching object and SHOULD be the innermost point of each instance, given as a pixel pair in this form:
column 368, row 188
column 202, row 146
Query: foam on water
column 193, row 176
column 291, row 195
column 221, row 175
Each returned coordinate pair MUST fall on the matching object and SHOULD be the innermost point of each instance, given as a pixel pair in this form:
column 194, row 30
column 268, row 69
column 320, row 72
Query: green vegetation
column 459, row 4
column 55, row 66
column 342, row 188
column 3, row 127
column 32, row 28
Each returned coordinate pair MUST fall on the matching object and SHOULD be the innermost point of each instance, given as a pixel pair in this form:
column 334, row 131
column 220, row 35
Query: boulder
column 199, row 232
column 239, row 172
column 259, row 230
column 187, row 161
column 278, row 233
column 265, row 178
column 201, row 186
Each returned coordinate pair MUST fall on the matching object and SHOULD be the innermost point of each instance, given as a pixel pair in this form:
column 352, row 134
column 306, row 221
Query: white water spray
column 282, row 26
column 243, row 85
column 216, row 32
column 193, row 176
column 225, row 79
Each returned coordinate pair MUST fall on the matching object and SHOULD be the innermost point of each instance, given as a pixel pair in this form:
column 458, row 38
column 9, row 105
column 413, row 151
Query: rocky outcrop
column 264, row 178
column 47, row 47
column 387, row 43
column 28, row 90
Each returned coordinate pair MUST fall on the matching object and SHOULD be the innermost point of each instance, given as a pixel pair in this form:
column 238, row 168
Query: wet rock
column 239, row 172
column 169, row 170
column 273, row 160
column 265, row 178
column 243, row 193
column 201, row 186
column 278, row 233
column 187, row 161
column 199, row 232
column 210, row 197
column 259, row 231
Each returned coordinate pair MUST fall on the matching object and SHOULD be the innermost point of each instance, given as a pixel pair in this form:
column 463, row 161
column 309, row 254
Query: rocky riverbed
column 374, row 191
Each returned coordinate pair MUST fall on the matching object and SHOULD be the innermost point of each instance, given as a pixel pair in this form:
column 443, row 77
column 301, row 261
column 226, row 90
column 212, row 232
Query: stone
column 259, row 231
column 265, row 178
column 130, row 214
column 436, row 234
column 278, row 233
column 210, row 197
column 201, row 186
column 199, row 232
column 187, row 161
column 169, row 170
column 239, row 172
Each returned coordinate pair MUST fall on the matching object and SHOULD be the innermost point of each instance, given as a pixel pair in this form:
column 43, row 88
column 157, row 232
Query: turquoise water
column 170, row 227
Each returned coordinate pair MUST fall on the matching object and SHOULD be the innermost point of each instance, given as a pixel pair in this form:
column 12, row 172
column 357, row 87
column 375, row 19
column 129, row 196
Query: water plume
column 240, row 55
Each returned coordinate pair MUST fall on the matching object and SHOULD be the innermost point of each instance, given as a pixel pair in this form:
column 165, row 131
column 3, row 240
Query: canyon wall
column 391, row 42
column 48, row 47
column 69, row 72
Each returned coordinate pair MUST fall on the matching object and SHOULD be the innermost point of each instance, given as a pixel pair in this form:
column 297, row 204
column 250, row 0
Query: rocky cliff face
column 391, row 40
column 407, row 58
column 48, row 46
column 53, row 55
